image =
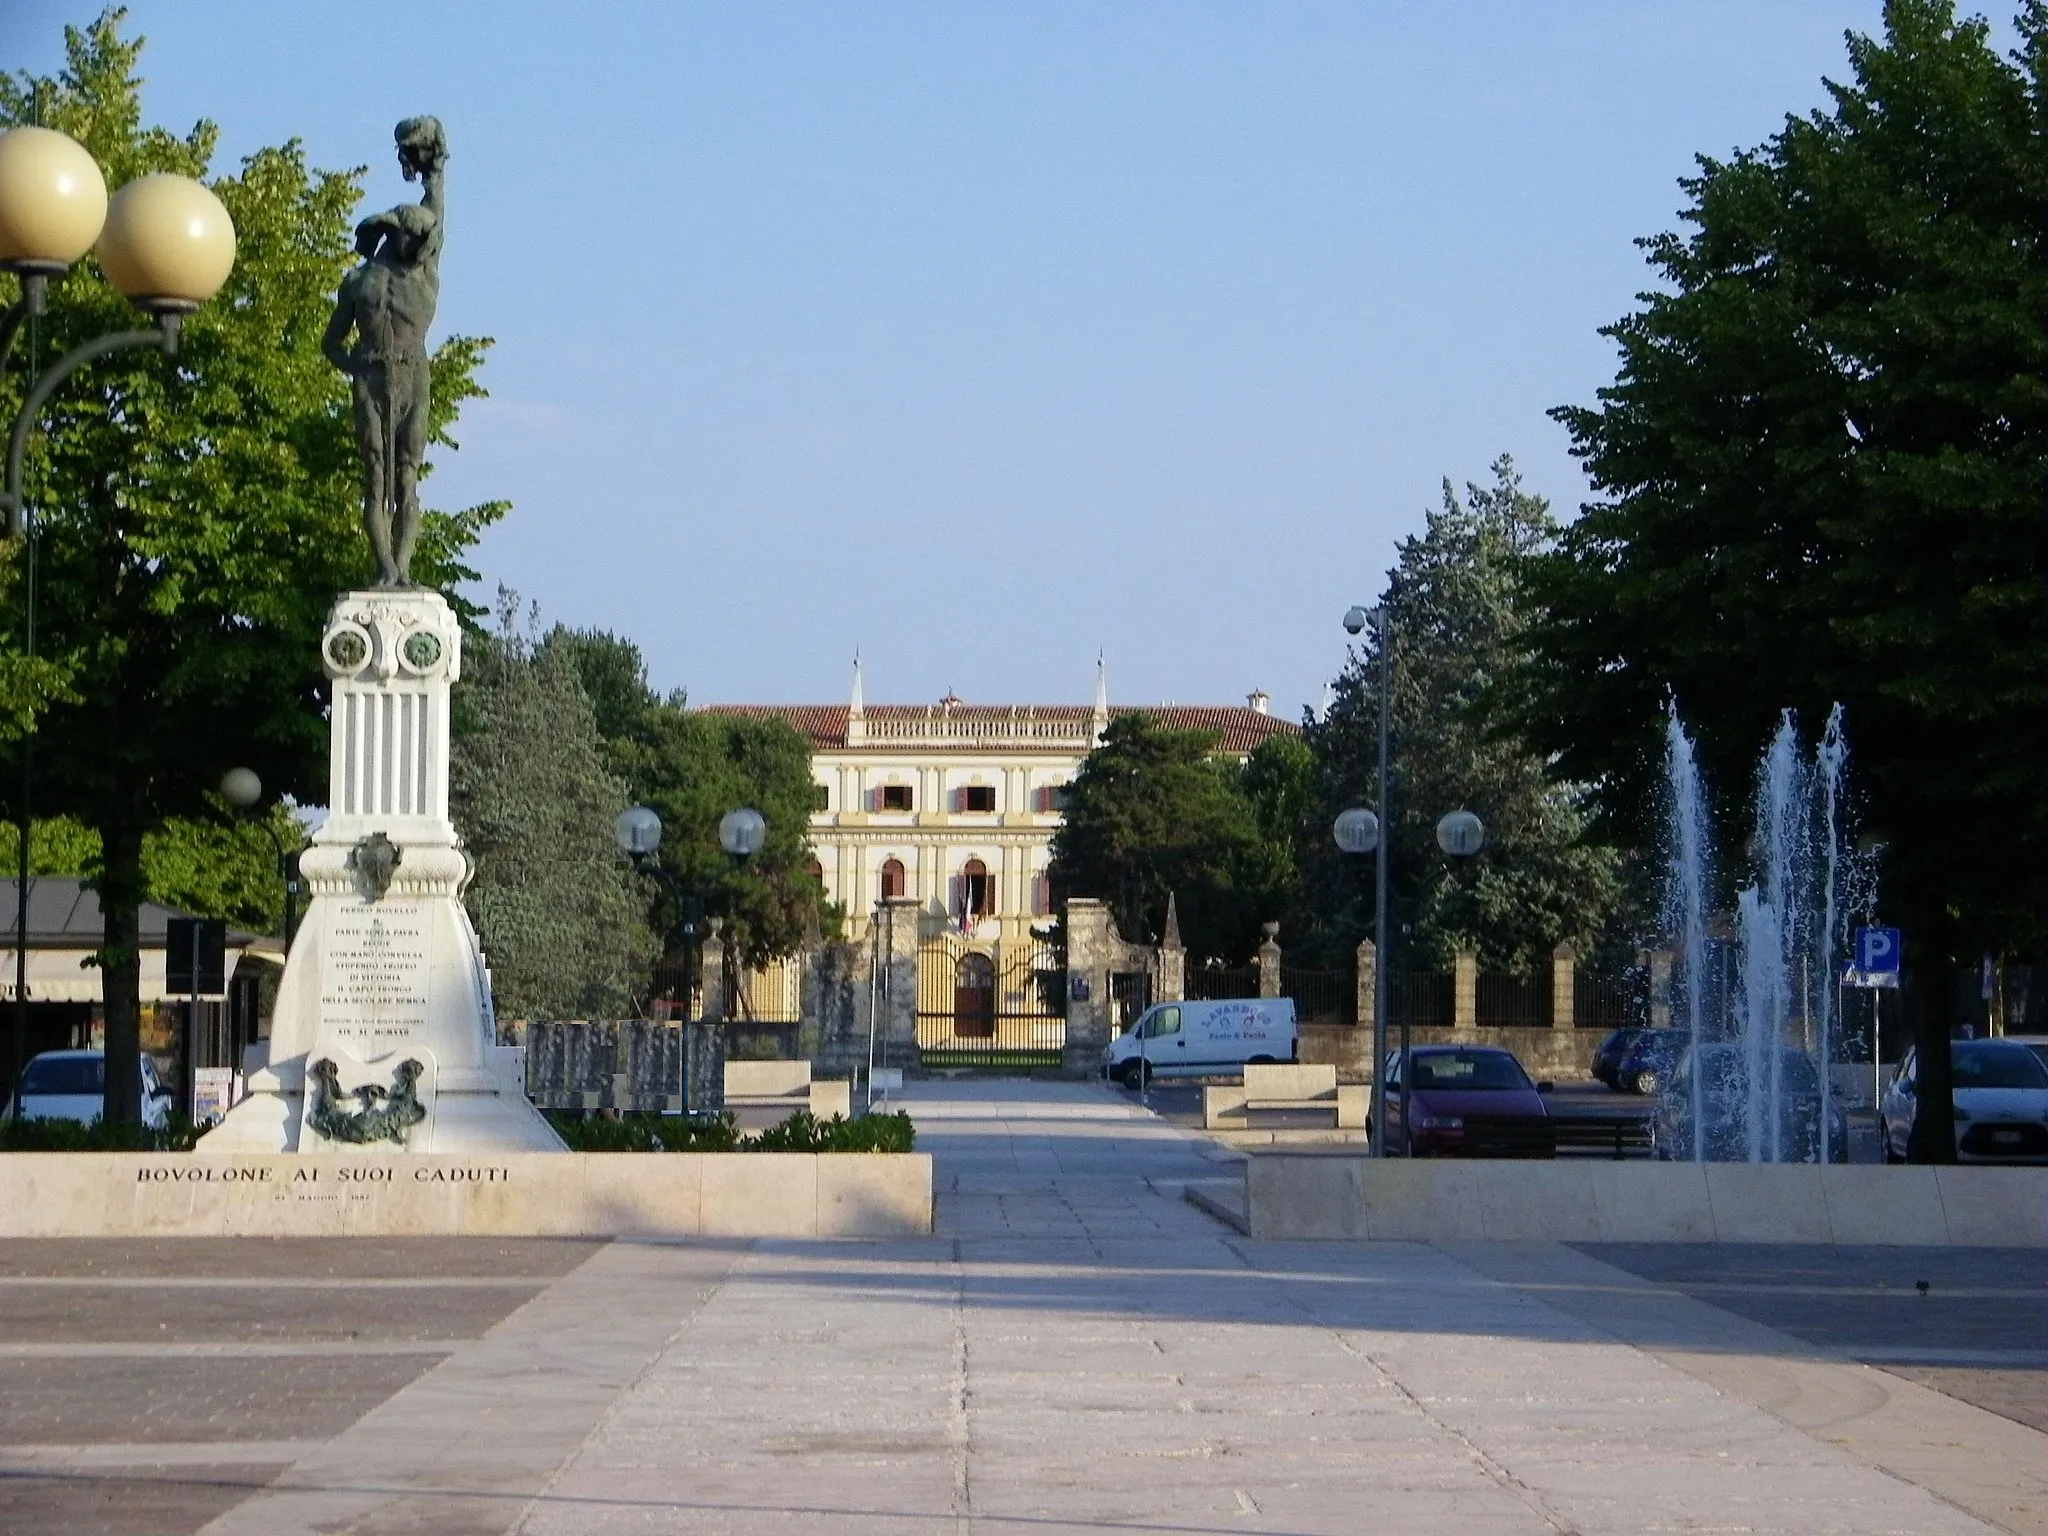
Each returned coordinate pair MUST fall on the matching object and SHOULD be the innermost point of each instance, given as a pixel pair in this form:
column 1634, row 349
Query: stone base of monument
column 520, row 1194
column 382, row 1039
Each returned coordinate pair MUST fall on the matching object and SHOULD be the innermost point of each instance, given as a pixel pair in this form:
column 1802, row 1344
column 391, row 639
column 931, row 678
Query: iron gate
column 1004, row 1009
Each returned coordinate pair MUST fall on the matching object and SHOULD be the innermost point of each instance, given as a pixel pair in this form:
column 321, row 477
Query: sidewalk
column 1078, row 1349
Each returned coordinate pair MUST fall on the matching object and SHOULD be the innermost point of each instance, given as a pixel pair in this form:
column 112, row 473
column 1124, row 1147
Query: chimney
column 1259, row 701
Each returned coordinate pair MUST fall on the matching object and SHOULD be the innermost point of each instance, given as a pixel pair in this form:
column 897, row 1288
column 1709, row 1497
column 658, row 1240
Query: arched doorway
column 892, row 878
column 974, row 998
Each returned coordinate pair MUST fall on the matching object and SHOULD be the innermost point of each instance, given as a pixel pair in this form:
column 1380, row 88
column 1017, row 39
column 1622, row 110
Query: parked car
column 1607, row 1055
column 1647, row 1059
column 1727, row 1103
column 1199, row 1039
column 2000, row 1090
column 1467, row 1101
column 2038, row 1044
column 72, row 1085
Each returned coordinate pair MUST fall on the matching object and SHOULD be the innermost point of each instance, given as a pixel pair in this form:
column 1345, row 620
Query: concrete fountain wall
column 1320, row 1195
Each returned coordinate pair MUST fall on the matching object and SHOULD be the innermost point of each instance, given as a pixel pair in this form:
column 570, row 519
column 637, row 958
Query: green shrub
column 718, row 1133
column 39, row 1135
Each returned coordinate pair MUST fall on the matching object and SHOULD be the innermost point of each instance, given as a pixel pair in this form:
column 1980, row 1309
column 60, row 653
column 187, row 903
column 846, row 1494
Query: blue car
column 1734, row 1120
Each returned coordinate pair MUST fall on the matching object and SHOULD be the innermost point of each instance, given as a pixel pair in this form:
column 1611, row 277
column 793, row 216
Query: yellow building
column 955, row 804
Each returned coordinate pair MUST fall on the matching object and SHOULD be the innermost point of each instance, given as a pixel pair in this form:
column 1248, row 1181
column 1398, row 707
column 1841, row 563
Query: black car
column 1607, row 1059
column 1647, row 1061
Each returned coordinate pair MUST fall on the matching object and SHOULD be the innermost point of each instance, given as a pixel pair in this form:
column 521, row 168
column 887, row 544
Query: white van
column 1195, row 1039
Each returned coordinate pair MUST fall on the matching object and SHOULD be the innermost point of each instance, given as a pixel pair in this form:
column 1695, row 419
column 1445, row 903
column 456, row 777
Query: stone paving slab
column 1078, row 1348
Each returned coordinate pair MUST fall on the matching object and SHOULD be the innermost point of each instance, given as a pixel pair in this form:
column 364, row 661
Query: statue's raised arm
column 389, row 303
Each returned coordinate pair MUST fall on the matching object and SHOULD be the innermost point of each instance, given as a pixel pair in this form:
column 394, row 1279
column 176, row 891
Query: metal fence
column 1002, row 1009
column 1610, row 1002
column 1425, row 999
column 1207, row 982
column 1503, row 1000
column 1320, row 997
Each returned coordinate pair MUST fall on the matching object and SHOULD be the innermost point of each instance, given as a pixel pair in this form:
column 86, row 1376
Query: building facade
column 955, row 804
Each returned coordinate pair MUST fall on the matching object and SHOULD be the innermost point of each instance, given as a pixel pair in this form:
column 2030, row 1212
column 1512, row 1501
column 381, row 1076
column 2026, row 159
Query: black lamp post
column 167, row 243
column 1460, row 834
column 637, row 831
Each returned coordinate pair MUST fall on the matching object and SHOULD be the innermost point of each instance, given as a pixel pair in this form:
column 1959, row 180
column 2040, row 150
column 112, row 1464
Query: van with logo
column 1202, row 1039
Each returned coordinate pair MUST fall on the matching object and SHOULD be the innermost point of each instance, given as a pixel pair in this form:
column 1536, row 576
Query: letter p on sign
column 1877, row 949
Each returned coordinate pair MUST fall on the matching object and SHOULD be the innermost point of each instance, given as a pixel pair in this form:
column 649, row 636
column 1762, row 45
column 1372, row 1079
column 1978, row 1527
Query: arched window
column 977, row 891
column 817, row 871
column 974, row 997
column 892, row 878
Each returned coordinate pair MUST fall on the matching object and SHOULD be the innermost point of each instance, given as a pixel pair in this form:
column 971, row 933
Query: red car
column 1467, row 1101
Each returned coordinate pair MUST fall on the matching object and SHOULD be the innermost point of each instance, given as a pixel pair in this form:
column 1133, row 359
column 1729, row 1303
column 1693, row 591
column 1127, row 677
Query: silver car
column 72, row 1085
column 2001, row 1103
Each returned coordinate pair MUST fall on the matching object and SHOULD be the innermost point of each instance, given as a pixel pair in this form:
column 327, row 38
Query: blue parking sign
column 1877, row 949
column 1877, row 959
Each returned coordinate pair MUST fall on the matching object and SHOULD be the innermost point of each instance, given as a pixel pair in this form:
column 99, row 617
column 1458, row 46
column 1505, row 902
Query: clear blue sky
column 988, row 336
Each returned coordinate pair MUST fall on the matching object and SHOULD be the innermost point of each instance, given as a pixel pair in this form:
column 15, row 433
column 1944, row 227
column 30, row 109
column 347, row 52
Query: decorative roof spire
column 1101, row 721
column 856, row 713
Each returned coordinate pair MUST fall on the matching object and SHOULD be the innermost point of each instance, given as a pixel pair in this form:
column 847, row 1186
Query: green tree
column 554, row 903
column 1154, row 813
column 1460, row 618
column 197, row 516
column 691, row 767
column 224, row 867
column 1820, row 480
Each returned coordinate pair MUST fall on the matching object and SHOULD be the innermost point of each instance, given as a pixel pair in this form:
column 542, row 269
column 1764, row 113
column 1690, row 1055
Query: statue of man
column 388, row 302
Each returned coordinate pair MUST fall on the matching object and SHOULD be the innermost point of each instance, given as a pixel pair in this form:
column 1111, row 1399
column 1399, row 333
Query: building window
column 1041, row 896
column 977, row 891
column 1056, row 797
column 821, row 797
column 895, row 797
column 978, row 797
column 892, row 878
column 817, row 871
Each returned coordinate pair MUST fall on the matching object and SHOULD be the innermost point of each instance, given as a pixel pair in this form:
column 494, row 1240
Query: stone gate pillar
column 1564, row 979
column 1465, row 991
column 1269, row 960
column 1092, row 944
column 896, row 986
column 1367, row 981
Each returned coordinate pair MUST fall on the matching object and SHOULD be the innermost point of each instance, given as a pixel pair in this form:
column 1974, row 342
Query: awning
column 71, row 976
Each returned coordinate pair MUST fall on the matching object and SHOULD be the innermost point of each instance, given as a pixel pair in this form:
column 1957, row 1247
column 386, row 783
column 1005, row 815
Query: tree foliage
column 225, row 867
column 1460, row 616
column 197, row 515
column 692, row 767
column 1820, row 472
column 555, row 905
column 1154, row 813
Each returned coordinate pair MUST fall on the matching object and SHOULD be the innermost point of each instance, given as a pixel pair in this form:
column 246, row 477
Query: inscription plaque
column 373, row 976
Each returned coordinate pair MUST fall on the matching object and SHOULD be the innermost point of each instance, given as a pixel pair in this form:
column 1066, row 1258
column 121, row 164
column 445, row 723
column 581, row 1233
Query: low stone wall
column 1559, row 1055
column 1308, row 1195
column 521, row 1194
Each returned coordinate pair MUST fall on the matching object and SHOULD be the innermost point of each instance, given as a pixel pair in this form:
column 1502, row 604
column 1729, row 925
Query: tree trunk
column 1934, row 1125
column 120, row 891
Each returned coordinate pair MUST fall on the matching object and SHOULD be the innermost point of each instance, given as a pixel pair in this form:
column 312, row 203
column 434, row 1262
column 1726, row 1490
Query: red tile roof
column 997, row 727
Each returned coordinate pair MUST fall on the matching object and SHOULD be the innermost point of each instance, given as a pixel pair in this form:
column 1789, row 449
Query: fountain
column 1762, row 1014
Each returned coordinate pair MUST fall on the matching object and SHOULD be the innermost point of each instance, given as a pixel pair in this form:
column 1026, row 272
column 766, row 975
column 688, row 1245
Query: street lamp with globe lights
column 243, row 790
column 167, row 244
column 637, row 831
column 1359, row 831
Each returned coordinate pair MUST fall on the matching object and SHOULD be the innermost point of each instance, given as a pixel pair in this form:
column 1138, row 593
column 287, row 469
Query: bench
column 779, row 1089
column 1283, row 1096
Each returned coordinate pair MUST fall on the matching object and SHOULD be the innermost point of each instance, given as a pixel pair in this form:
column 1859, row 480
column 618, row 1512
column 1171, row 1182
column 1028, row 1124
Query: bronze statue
column 389, row 302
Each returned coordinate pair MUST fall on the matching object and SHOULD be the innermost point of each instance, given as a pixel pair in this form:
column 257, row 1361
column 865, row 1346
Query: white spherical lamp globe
column 241, row 788
column 1357, row 830
column 1461, row 834
column 741, row 833
column 637, row 831
column 53, row 200
column 169, row 243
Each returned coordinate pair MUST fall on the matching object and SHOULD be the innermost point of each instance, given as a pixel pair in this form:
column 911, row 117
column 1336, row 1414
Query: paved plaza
column 1076, row 1349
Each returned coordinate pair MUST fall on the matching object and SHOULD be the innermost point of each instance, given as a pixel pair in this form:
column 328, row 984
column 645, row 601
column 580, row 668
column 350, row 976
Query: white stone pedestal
column 383, row 1027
